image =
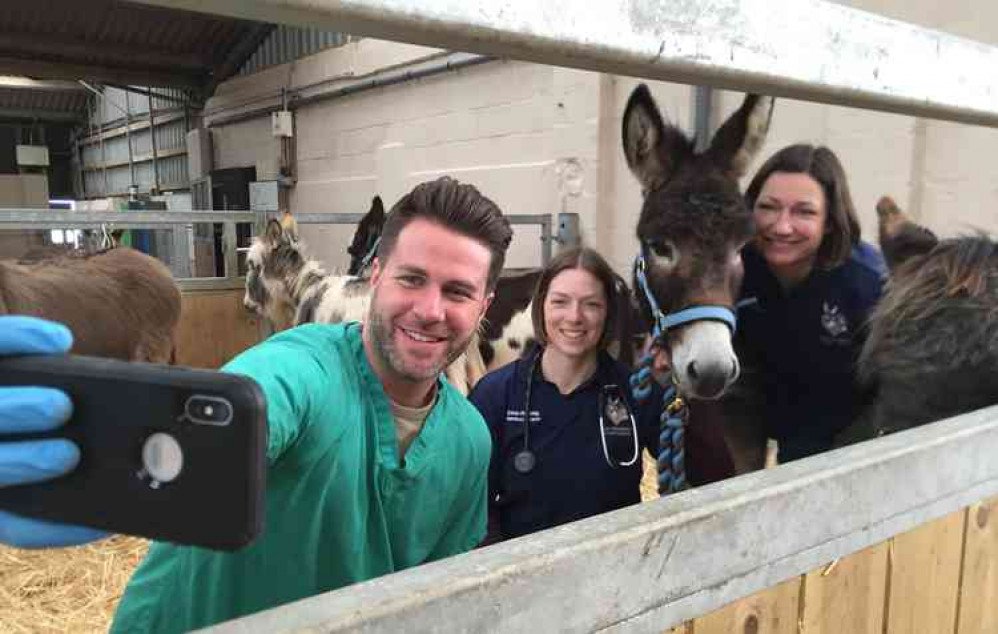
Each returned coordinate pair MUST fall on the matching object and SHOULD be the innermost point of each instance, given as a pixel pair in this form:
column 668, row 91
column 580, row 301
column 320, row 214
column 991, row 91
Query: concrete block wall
column 526, row 134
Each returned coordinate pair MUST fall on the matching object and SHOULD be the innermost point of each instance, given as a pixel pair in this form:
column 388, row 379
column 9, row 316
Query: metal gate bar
column 804, row 49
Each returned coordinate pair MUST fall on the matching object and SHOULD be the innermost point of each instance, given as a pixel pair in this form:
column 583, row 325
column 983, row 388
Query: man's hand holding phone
column 35, row 409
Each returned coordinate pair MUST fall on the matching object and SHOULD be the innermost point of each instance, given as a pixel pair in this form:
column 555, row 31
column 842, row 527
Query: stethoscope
column 612, row 405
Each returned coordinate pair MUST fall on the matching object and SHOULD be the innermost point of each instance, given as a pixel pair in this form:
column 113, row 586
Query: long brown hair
column 593, row 263
column 842, row 229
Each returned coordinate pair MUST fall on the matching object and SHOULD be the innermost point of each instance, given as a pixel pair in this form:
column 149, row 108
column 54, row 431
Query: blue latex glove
column 34, row 409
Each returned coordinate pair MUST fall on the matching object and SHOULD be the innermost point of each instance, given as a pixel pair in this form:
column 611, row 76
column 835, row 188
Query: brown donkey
column 693, row 224
column 118, row 303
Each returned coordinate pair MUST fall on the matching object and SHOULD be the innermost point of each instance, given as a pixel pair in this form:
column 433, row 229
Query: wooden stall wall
column 940, row 578
column 214, row 327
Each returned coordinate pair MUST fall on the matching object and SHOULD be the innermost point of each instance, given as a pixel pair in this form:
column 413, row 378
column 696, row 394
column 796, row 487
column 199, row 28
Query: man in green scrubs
column 376, row 463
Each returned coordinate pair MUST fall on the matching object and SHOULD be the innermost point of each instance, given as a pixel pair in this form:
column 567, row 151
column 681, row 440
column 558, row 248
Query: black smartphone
column 172, row 454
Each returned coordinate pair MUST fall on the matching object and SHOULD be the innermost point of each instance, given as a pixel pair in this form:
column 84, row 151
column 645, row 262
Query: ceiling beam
column 110, row 74
column 41, row 115
column 74, row 49
column 19, row 83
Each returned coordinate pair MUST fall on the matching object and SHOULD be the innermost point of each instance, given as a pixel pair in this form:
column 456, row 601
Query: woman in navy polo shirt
column 816, row 283
column 580, row 453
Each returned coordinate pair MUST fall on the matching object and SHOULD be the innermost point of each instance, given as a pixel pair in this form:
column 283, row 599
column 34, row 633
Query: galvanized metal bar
column 330, row 218
column 547, row 240
column 182, row 264
column 26, row 218
column 45, row 219
column 103, row 152
column 814, row 50
column 313, row 218
column 229, row 255
column 128, row 139
column 648, row 567
column 152, row 141
column 569, row 235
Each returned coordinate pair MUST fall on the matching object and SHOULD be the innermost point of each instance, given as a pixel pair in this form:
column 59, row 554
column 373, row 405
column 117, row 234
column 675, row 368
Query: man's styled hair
column 457, row 206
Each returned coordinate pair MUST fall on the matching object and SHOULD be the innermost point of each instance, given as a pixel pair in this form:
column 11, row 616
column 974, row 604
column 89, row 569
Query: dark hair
column 592, row 262
column 456, row 206
column 820, row 163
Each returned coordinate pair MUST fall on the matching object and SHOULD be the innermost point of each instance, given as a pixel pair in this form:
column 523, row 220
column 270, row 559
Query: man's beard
column 384, row 345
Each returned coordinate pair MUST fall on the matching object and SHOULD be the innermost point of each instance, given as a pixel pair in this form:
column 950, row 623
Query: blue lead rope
column 672, row 428
column 672, row 422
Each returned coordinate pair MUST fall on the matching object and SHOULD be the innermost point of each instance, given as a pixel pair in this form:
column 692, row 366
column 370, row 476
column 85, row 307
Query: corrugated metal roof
column 48, row 100
column 61, row 100
column 111, row 41
column 119, row 43
column 288, row 43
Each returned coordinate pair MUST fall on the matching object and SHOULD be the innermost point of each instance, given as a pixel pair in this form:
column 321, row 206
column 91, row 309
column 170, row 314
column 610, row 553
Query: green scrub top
column 340, row 508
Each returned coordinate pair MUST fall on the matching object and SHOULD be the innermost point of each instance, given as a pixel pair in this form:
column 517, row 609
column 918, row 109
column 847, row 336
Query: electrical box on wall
column 32, row 155
column 281, row 123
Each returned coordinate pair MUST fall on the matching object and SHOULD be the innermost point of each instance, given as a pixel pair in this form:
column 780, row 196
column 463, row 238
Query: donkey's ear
column 290, row 227
column 274, row 232
column 377, row 208
column 900, row 237
column 653, row 148
column 740, row 138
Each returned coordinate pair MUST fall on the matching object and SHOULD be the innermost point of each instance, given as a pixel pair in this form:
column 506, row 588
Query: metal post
column 568, row 230
column 546, row 240
column 83, row 148
column 128, row 139
column 103, row 155
column 229, row 249
column 152, row 140
column 703, row 108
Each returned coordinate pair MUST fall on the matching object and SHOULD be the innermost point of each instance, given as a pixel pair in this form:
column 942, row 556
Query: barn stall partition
column 892, row 535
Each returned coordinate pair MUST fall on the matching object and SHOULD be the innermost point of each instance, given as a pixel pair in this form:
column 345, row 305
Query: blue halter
column 672, row 431
column 665, row 323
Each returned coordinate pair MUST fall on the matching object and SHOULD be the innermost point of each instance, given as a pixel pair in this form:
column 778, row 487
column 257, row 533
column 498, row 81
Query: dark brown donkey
column 932, row 351
column 692, row 227
column 118, row 303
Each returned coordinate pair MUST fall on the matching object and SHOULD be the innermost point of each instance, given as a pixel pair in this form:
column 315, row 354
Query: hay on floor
column 68, row 589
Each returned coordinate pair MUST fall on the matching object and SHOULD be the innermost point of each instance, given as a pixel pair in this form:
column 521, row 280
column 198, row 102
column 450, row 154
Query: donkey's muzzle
column 709, row 380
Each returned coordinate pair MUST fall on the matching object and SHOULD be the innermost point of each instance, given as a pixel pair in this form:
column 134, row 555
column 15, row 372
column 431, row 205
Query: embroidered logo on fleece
column 833, row 321
column 616, row 410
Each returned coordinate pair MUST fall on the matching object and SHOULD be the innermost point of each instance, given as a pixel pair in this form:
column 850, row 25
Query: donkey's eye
column 665, row 251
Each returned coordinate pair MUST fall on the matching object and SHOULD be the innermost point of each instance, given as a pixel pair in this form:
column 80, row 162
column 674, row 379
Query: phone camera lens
column 209, row 410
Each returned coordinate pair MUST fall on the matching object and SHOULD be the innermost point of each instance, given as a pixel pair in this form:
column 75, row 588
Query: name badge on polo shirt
column 518, row 416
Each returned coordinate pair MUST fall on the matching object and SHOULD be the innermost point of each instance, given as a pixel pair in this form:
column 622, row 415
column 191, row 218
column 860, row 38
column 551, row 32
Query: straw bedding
column 65, row 590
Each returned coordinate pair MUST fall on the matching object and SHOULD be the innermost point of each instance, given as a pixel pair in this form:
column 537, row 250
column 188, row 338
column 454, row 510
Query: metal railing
column 648, row 567
column 179, row 222
column 813, row 50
